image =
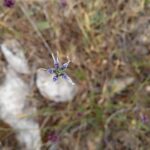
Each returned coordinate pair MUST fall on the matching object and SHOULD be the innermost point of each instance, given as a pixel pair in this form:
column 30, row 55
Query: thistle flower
column 9, row 3
column 59, row 70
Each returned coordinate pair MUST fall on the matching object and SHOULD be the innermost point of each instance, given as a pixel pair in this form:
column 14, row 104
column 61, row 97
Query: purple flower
column 53, row 137
column 59, row 70
column 79, row 114
column 55, row 78
column 50, row 71
column 64, row 76
column 56, row 61
column 9, row 3
column 63, row 3
column 144, row 118
column 65, row 65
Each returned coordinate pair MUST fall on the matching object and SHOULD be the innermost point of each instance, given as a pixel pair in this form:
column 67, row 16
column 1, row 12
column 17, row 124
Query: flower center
column 59, row 72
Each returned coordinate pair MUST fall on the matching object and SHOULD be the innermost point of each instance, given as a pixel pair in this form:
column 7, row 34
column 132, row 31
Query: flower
column 79, row 114
column 59, row 70
column 9, row 3
column 144, row 118
column 63, row 3
column 53, row 137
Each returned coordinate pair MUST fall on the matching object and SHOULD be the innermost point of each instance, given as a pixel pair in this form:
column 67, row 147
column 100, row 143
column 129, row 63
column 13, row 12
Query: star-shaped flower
column 59, row 70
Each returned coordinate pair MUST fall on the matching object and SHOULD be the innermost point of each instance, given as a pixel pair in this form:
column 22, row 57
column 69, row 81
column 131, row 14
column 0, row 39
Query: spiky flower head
column 60, row 70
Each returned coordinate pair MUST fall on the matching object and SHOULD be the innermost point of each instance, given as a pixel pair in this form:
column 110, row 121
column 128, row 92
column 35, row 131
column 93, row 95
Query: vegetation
column 108, row 44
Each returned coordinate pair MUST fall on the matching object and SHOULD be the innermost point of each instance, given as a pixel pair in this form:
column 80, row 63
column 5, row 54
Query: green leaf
column 30, row 13
column 98, row 18
column 116, row 86
column 143, row 126
column 147, row 2
column 42, row 25
column 99, row 114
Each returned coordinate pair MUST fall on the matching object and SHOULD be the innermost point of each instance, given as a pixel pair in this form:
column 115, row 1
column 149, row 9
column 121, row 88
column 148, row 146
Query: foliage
column 107, row 41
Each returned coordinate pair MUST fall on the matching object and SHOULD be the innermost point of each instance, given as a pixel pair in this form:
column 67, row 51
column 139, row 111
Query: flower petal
column 65, row 65
column 57, row 58
column 55, row 78
column 56, row 66
column 56, row 61
column 50, row 70
column 66, row 77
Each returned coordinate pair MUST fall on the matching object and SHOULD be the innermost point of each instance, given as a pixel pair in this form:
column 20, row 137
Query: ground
column 108, row 43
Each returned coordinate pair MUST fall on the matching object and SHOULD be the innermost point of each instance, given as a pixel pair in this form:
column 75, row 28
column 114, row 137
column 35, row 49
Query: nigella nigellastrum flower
column 9, row 3
column 60, row 70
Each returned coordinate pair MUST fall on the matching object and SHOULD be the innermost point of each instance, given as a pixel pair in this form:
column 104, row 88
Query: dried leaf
column 115, row 86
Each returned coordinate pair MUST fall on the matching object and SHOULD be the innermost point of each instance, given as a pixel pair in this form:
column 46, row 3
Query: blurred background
column 108, row 42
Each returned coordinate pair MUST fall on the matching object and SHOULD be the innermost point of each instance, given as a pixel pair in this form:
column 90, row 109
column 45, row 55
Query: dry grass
column 106, row 40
